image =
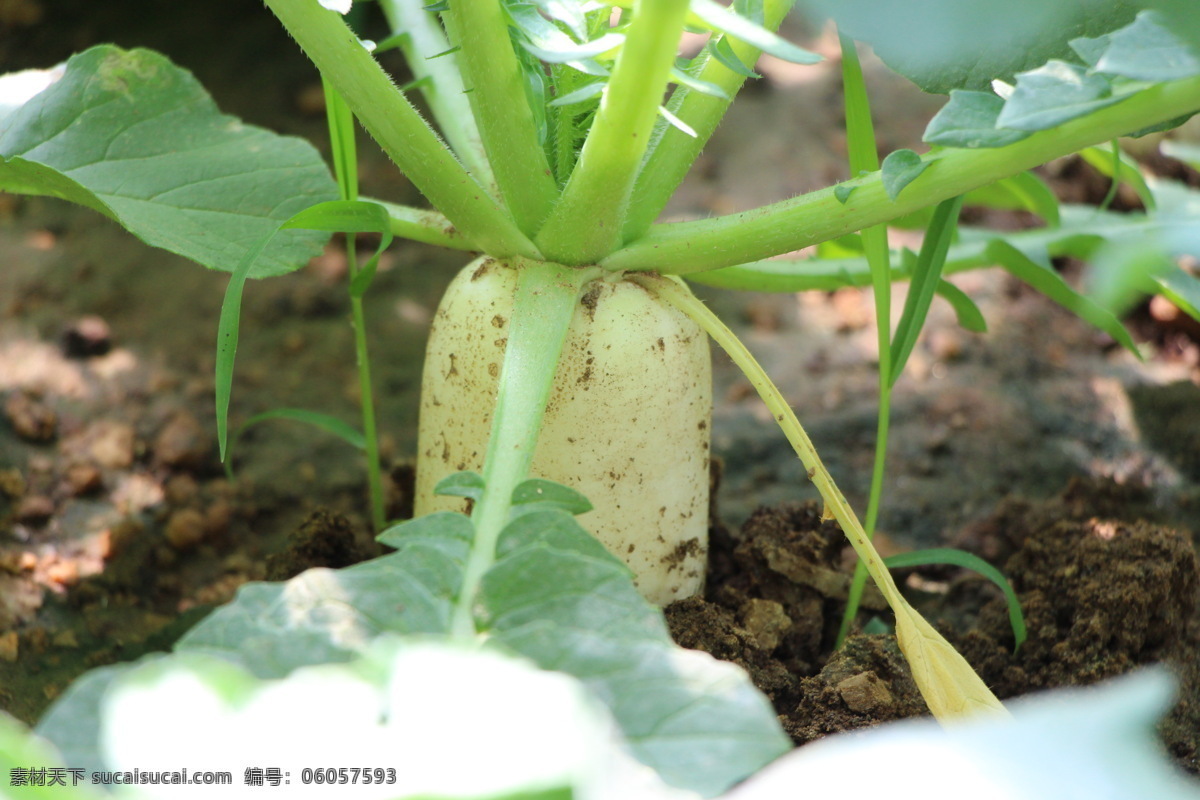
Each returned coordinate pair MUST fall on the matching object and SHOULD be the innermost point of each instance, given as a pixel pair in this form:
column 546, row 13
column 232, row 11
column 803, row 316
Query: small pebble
column 865, row 693
column 185, row 529
column 35, row 509
column 30, row 418
column 12, row 482
column 181, row 489
column 83, row 479
column 65, row 638
column 111, row 444
column 767, row 622
column 64, row 573
column 182, row 443
column 87, row 337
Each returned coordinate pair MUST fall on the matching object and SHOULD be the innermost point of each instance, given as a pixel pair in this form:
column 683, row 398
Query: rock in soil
column 30, row 418
column 326, row 539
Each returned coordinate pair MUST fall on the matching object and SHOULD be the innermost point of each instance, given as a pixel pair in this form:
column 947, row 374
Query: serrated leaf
column 461, row 484
column 130, row 135
column 722, row 19
column 964, row 44
column 325, row 616
column 899, row 169
column 540, row 493
column 1053, row 94
column 1051, row 284
column 1148, row 50
column 969, row 120
column 698, row 722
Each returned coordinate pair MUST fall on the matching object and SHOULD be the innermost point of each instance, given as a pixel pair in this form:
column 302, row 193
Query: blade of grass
column 685, row 247
column 398, row 127
column 926, row 276
column 961, row 558
column 586, row 223
column 950, row 687
column 495, row 85
column 671, row 151
column 864, row 157
column 325, row 422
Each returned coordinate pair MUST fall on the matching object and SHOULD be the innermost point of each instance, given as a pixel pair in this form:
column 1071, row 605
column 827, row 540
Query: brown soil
column 1103, row 592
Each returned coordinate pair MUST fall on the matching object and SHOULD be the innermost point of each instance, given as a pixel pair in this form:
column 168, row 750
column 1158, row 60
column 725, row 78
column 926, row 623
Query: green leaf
column 537, row 493
column 350, row 216
column 325, row 616
column 683, row 78
column 136, row 138
column 968, row 314
column 964, row 44
column 1148, row 50
column 697, row 721
column 722, row 51
column 461, row 484
column 580, row 95
column 961, row 558
column 1182, row 289
column 22, row 751
column 899, row 169
column 1053, row 94
column 1051, row 284
column 1024, row 191
column 926, row 276
column 969, row 120
column 842, row 192
column 722, row 19
column 331, row 425
column 1102, row 159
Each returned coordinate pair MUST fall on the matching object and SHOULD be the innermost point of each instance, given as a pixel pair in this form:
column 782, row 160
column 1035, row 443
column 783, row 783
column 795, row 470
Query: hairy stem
column 808, row 219
column 586, row 224
column 672, row 151
column 407, row 139
column 495, row 88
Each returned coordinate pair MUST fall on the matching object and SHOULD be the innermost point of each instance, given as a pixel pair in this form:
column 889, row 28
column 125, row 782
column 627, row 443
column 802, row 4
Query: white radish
column 627, row 423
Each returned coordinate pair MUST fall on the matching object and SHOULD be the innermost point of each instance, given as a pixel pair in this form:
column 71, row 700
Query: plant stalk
column 542, row 311
column 672, row 152
column 686, row 247
column 407, row 139
column 441, row 84
column 495, row 87
column 864, row 157
column 587, row 221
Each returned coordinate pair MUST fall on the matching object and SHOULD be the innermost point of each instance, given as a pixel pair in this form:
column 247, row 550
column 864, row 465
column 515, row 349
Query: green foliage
column 136, row 138
column 698, row 722
column 964, row 44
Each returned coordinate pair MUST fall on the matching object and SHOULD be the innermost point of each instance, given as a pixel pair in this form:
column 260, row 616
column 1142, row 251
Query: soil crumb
column 326, row 539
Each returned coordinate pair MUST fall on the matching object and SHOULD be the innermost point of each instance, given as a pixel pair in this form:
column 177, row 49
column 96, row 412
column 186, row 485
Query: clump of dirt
column 1104, row 586
column 773, row 604
column 326, row 539
column 1102, row 595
